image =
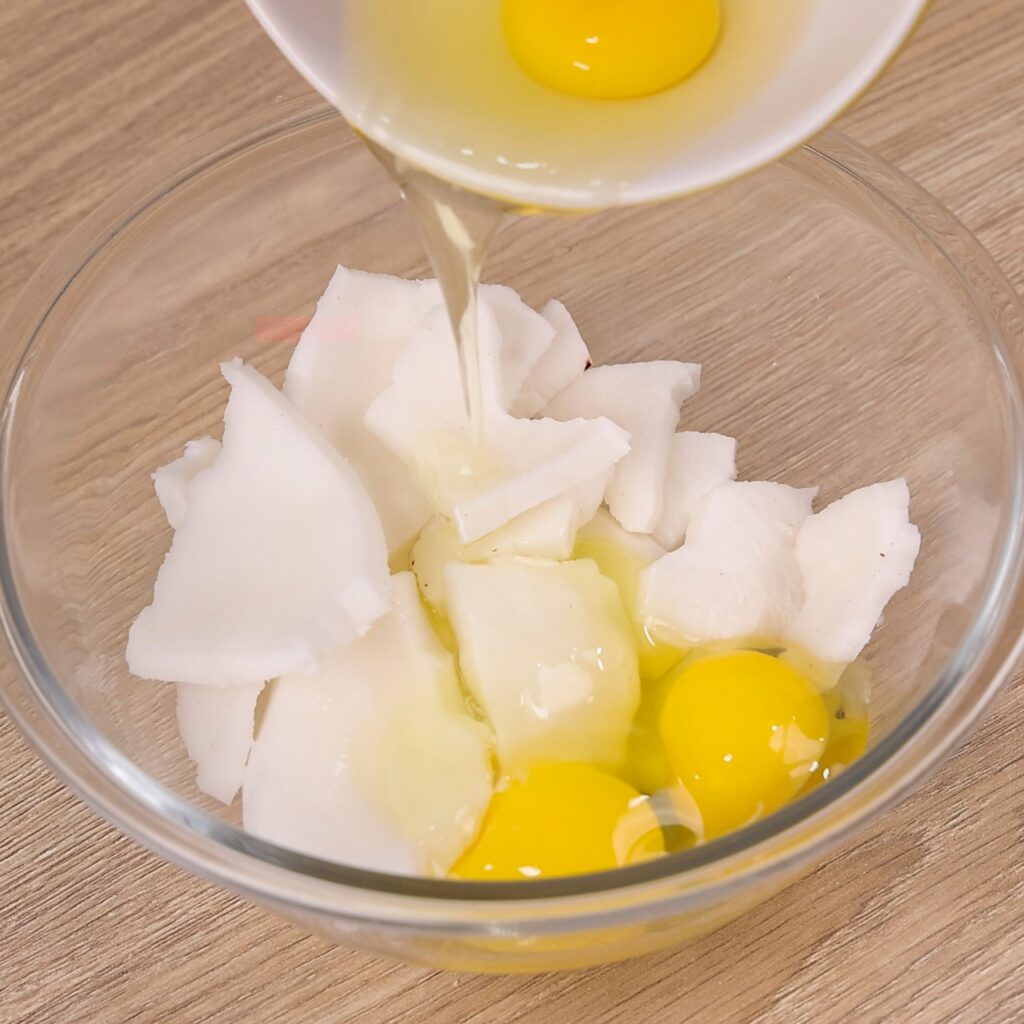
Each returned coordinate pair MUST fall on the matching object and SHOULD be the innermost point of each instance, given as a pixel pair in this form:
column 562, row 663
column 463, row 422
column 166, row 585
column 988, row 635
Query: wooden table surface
column 919, row 922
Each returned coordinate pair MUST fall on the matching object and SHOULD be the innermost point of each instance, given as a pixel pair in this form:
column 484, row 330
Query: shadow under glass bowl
column 851, row 331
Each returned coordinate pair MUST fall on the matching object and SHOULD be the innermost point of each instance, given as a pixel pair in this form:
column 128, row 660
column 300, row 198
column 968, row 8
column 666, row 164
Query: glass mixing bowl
column 850, row 330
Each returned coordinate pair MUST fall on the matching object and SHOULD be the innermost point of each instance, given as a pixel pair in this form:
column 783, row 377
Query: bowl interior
column 840, row 345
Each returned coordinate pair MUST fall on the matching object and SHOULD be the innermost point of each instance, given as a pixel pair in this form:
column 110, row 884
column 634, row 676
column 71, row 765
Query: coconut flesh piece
column 604, row 527
column 216, row 725
column 422, row 418
column 620, row 555
column 280, row 560
column 526, row 337
column 171, row 481
column 548, row 531
column 697, row 464
column 215, row 722
column 853, row 556
column 346, row 356
column 644, row 399
column 547, row 651
column 736, row 577
column 342, row 361
column 563, row 363
column 374, row 761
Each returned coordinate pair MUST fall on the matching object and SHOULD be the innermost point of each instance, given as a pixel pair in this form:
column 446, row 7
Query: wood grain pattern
column 920, row 922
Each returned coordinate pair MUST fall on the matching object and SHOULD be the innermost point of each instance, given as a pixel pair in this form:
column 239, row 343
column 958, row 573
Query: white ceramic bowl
column 829, row 53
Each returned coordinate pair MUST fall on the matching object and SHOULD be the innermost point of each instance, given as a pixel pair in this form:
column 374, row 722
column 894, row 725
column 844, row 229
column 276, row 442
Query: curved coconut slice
column 589, row 496
column 644, row 399
column 525, row 337
column 216, row 725
column 343, row 360
column 563, row 363
column 422, row 418
column 171, row 481
column 697, row 464
column 375, row 761
column 547, row 651
column 547, row 531
column 736, row 577
column 425, row 398
column 280, row 561
column 539, row 460
column 603, row 528
column 622, row 557
column 854, row 555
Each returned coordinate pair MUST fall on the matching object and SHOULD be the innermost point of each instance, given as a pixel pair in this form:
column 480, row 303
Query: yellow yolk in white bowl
column 608, row 49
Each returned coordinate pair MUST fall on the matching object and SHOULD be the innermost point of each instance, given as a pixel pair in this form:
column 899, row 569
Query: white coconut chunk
column 171, row 481
column 373, row 762
column 539, row 460
column 523, row 463
column 644, row 399
column 280, row 561
column 697, row 464
column 343, row 360
column 425, row 400
column 604, row 527
column 563, row 363
column 736, row 577
column 854, row 555
column 525, row 337
column 589, row 496
column 216, row 725
column 548, row 653
column 548, row 531
column 622, row 556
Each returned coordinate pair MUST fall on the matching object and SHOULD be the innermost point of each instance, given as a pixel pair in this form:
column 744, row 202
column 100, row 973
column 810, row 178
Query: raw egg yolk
column 743, row 732
column 610, row 49
column 564, row 819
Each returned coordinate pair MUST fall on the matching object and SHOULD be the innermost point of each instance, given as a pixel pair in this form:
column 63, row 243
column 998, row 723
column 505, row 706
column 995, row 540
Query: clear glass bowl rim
column 776, row 847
